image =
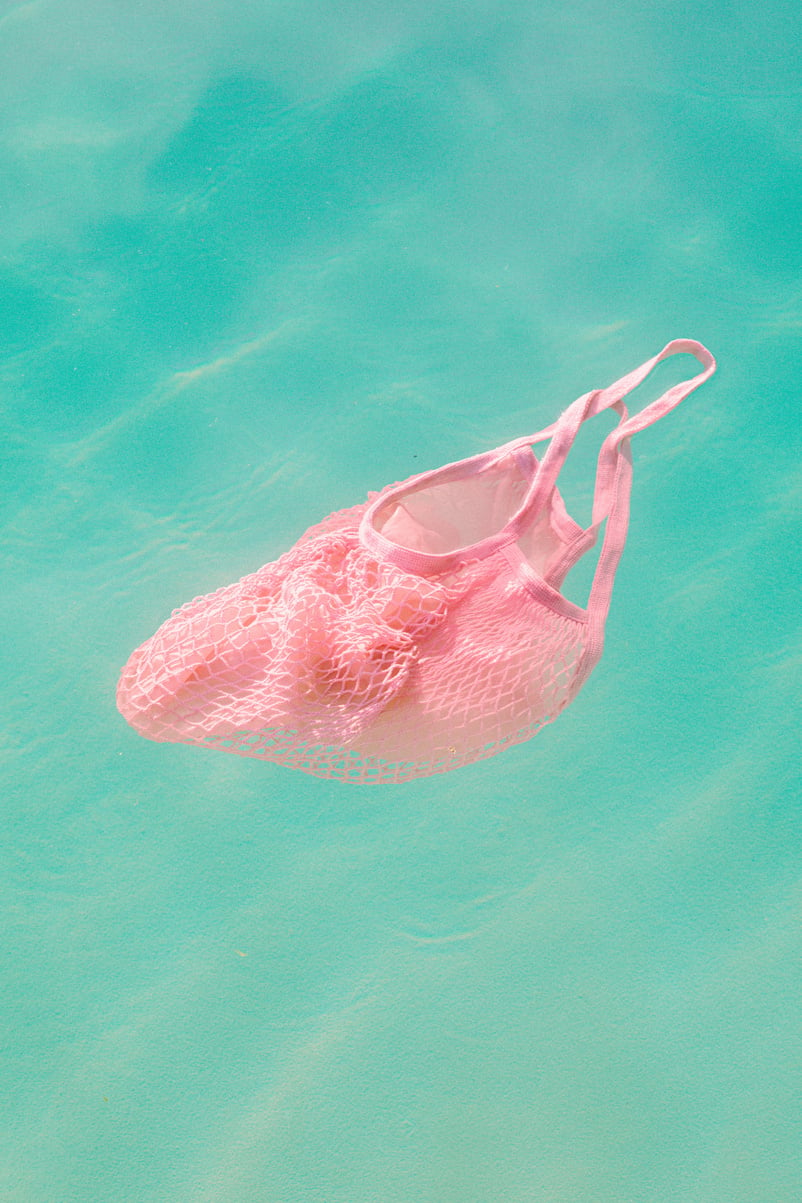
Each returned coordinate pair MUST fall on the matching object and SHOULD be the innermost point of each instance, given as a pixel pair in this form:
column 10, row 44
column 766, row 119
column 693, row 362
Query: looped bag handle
column 611, row 498
column 614, row 475
column 563, row 432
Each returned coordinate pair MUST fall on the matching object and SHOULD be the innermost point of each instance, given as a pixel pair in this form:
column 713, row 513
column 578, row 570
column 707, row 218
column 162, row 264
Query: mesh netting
column 345, row 666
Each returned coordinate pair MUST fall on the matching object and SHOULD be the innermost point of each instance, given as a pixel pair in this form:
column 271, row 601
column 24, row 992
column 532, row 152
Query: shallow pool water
column 255, row 262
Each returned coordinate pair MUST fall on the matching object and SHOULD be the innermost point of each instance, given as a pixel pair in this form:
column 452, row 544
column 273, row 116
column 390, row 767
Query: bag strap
column 614, row 476
column 563, row 432
column 611, row 499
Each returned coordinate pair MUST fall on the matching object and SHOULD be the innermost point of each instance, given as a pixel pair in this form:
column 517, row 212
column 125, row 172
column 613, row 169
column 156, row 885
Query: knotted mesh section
column 340, row 665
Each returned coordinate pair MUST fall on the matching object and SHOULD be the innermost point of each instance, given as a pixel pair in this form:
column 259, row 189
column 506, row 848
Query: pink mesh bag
column 412, row 634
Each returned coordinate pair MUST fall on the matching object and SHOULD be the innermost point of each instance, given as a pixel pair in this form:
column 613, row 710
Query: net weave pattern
column 345, row 666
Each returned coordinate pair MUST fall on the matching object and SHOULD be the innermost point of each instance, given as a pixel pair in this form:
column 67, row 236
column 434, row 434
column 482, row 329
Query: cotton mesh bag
column 412, row 634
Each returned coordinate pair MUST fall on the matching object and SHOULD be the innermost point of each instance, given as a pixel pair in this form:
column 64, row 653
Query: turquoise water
column 255, row 261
